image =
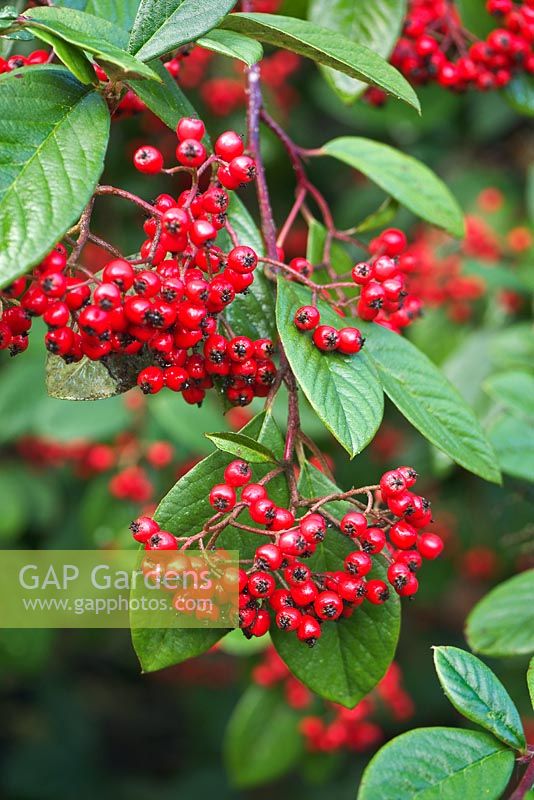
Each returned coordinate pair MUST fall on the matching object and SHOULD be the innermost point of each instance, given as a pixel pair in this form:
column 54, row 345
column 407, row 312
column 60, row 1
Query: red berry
column 282, row 520
column 430, row 545
column 261, row 624
column 242, row 259
column 268, row 556
column 190, row 128
column 120, row 272
column 237, row 473
column 307, row 318
column 242, row 169
column 148, row 159
column 304, row 593
column 328, row 605
column 150, row 380
column 377, row 592
column 222, row 497
column 252, row 493
column 358, row 563
column 162, row 540
column 309, row 630
column 229, row 145
column 191, row 153
column 392, row 484
column 261, row 584
column 402, row 535
column 313, row 528
column 262, row 511
column 354, row 524
column 325, row 338
column 350, row 341
column 373, row 540
column 288, row 619
column 143, row 528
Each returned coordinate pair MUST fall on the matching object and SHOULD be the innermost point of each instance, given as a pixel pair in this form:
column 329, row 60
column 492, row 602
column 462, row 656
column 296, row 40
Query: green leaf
column 373, row 23
column 344, row 391
column 72, row 57
column 92, row 380
column 409, row 181
column 501, row 623
column 92, row 34
column 438, row 764
column 493, row 275
column 166, row 100
column 530, row 681
column 513, row 441
column 477, row 693
column 38, row 150
column 241, row 446
column 379, row 218
column 427, row 399
column 235, row 644
column 520, row 94
column 264, row 728
column 121, row 14
column 244, row 226
column 233, row 45
column 161, row 27
column 514, row 389
column 339, row 257
column 325, row 47
column 184, row 510
column 353, row 655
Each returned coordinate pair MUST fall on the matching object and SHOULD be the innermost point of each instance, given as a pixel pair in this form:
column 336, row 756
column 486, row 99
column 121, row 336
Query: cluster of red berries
column 435, row 47
column 16, row 61
column 384, row 296
column 347, row 341
column 165, row 309
column 332, row 727
column 310, row 598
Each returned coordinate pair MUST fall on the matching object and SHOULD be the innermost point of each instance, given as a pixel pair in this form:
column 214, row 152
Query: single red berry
column 162, row 540
column 229, row 145
column 350, row 341
column 398, row 575
column 242, row 259
column 222, row 497
column 304, row 593
column 358, row 563
column 237, row 473
column 262, row 511
column 362, row 273
column 412, row 559
column 377, row 592
column 313, row 528
column 392, row 484
column 143, row 528
column 309, row 630
column 268, row 556
column 307, row 318
column 148, row 159
column 410, row 587
column 261, row 584
column 120, row 272
column 261, row 624
column 288, row 619
column 409, row 475
column 292, row 543
column 282, row 520
column 328, row 605
column 430, row 545
column 281, row 599
column 242, row 169
column 373, row 540
column 325, row 338
column 402, row 535
column 191, row 153
column 190, row 128
column 354, row 524
column 252, row 493
column 384, row 267
column 150, row 380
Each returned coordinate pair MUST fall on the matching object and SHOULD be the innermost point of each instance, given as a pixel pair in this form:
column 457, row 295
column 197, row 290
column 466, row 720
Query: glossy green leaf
column 438, row 764
column 501, row 623
column 121, row 14
column 514, row 389
column 92, row 34
column 242, row 446
column 183, row 511
column 344, row 391
column 160, row 27
column 325, row 47
column 405, row 178
column 520, row 94
column 379, row 218
column 427, row 399
column 477, row 693
column 264, row 728
column 353, row 655
column 340, row 259
column 166, row 100
column 530, row 681
column 233, row 45
column 373, row 23
column 512, row 438
column 72, row 57
column 44, row 147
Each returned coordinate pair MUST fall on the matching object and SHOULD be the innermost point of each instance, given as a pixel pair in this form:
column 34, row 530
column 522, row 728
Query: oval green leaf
column 513, row 440
column 72, row 57
column 40, row 149
column 162, row 27
column 373, row 23
column 427, row 399
column 344, row 391
column 166, row 100
column 353, row 655
column 520, row 94
column 325, row 47
column 405, row 178
column 477, row 693
column 438, row 764
column 242, row 446
column 501, row 623
column 92, row 34
column 514, row 389
column 233, row 45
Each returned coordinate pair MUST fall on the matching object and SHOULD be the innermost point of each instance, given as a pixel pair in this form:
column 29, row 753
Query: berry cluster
column 16, row 61
column 384, row 296
column 435, row 47
column 164, row 306
column 347, row 341
column 329, row 727
column 282, row 585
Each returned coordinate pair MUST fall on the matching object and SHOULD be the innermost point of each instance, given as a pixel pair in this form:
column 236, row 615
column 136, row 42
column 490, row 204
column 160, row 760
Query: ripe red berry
column 150, row 380
column 325, row 338
column 143, row 528
column 292, row 543
column 328, row 605
column 191, row 153
column 392, row 484
column 190, row 128
column 402, row 535
column 313, row 527
column 262, row 511
column 242, row 169
column 309, row 630
column 373, row 540
column 162, row 540
column 350, row 341
column 282, row 520
column 148, row 159
column 229, row 145
column 358, row 563
column 237, row 473
column 261, row 584
column 252, row 493
column 288, row 619
column 307, row 318
column 222, row 497
column 261, row 624
column 377, row 592
column 304, row 593
column 242, row 259
column 354, row 524
column 430, row 545
column 120, row 272
column 268, row 556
